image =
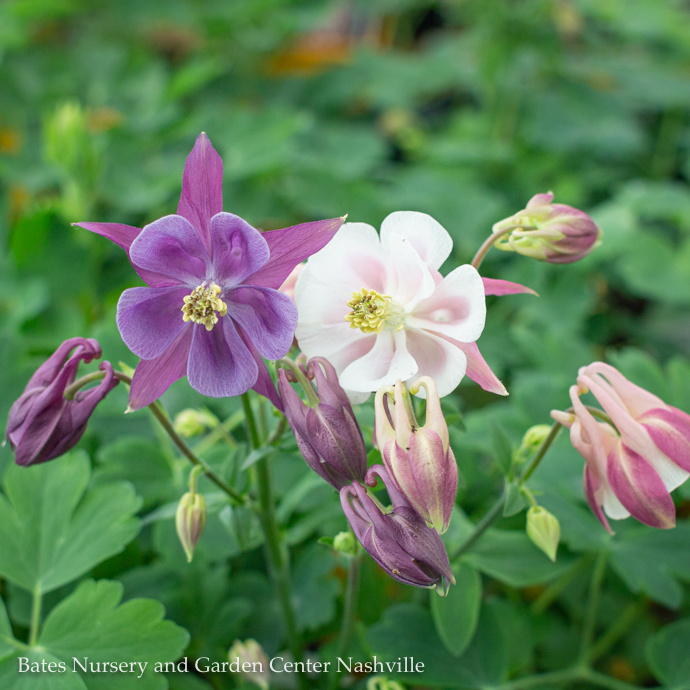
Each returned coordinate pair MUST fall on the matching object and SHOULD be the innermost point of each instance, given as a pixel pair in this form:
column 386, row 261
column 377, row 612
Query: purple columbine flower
column 326, row 429
column 43, row 424
column 398, row 540
column 212, row 310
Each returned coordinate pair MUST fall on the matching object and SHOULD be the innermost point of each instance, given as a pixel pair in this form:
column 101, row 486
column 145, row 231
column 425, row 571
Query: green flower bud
column 190, row 422
column 544, row 530
column 382, row 683
column 190, row 521
column 345, row 542
column 249, row 660
column 533, row 438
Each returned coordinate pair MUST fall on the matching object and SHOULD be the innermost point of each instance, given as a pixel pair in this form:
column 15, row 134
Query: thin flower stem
column 590, row 621
column 555, row 589
column 560, row 679
column 489, row 242
column 159, row 413
column 349, row 610
column 497, row 509
column 619, row 628
column 36, row 604
column 276, row 551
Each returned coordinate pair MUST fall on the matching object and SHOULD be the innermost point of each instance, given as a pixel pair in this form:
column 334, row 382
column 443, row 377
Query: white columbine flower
column 380, row 311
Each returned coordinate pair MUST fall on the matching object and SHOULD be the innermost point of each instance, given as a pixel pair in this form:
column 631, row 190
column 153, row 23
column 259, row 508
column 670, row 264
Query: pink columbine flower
column 380, row 311
column 632, row 468
column 555, row 233
column 419, row 459
column 212, row 310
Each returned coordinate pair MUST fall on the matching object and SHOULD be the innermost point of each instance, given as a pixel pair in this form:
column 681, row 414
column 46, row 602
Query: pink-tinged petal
column 264, row 383
column 639, row 488
column 494, row 286
column 220, row 364
column 408, row 280
column 543, row 199
column 267, row 316
column 202, row 188
column 438, row 358
column 591, row 487
column 238, row 249
column 149, row 319
column 669, row 429
column 427, row 236
column 479, row 371
column 154, row 376
column 387, row 362
column 171, row 247
column 290, row 246
column 122, row 235
column 456, row 309
column 353, row 259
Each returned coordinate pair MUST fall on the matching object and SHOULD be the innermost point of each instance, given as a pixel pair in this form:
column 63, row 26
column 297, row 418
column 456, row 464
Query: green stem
column 276, row 551
column 497, row 509
column 590, row 620
column 560, row 679
column 349, row 611
column 36, row 602
column 489, row 242
column 555, row 589
column 619, row 628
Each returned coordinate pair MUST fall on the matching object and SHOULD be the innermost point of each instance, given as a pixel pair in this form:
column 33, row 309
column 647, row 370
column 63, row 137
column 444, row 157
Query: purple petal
column 170, row 246
column 150, row 319
column 267, row 316
column 591, row 485
column 220, row 364
column 639, row 488
column 264, row 383
column 202, row 188
column 122, row 235
column 493, row 286
column 154, row 376
column 290, row 246
column 238, row 249
column 669, row 429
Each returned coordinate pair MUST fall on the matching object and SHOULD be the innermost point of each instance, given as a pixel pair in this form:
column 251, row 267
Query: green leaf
column 92, row 623
column 667, row 654
column 515, row 502
column 52, row 529
column 503, row 448
column 315, row 589
column 456, row 615
column 407, row 630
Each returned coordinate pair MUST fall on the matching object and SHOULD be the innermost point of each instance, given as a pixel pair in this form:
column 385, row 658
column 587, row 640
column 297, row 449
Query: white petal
column 457, row 308
column 428, row 237
column 408, row 279
column 436, row 357
column 387, row 362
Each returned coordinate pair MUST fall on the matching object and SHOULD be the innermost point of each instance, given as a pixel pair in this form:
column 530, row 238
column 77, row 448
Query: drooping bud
column 419, row 459
column 325, row 427
column 398, row 540
column 44, row 424
column 190, row 518
column 544, row 530
column 249, row 661
column 345, row 543
column 550, row 232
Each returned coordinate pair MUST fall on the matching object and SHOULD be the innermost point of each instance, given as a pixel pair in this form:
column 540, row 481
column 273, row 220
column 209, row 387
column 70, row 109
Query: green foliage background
column 459, row 108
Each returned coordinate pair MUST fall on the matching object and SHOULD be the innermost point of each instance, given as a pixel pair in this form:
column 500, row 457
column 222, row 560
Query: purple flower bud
column 398, row 540
column 555, row 233
column 326, row 430
column 43, row 424
column 419, row 459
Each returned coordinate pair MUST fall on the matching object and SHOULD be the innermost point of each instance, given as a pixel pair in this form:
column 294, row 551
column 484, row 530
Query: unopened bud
column 190, row 422
column 533, row 438
column 550, row 232
column 544, row 530
column 382, row 683
column 345, row 542
column 249, row 660
column 190, row 521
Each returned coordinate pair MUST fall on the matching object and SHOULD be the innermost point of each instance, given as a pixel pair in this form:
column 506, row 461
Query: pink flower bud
column 632, row 464
column 555, row 233
column 419, row 459
column 190, row 521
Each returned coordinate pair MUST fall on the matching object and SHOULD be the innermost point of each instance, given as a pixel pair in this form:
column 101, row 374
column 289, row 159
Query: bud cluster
column 420, row 472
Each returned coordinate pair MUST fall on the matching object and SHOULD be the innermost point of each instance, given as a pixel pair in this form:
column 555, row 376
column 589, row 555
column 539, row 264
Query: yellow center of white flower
column 204, row 306
column 372, row 312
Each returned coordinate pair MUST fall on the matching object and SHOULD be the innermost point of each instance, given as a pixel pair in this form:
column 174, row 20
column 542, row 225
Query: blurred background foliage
column 462, row 109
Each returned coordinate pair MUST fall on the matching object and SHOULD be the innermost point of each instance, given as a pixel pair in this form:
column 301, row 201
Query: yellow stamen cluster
column 201, row 306
column 371, row 312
